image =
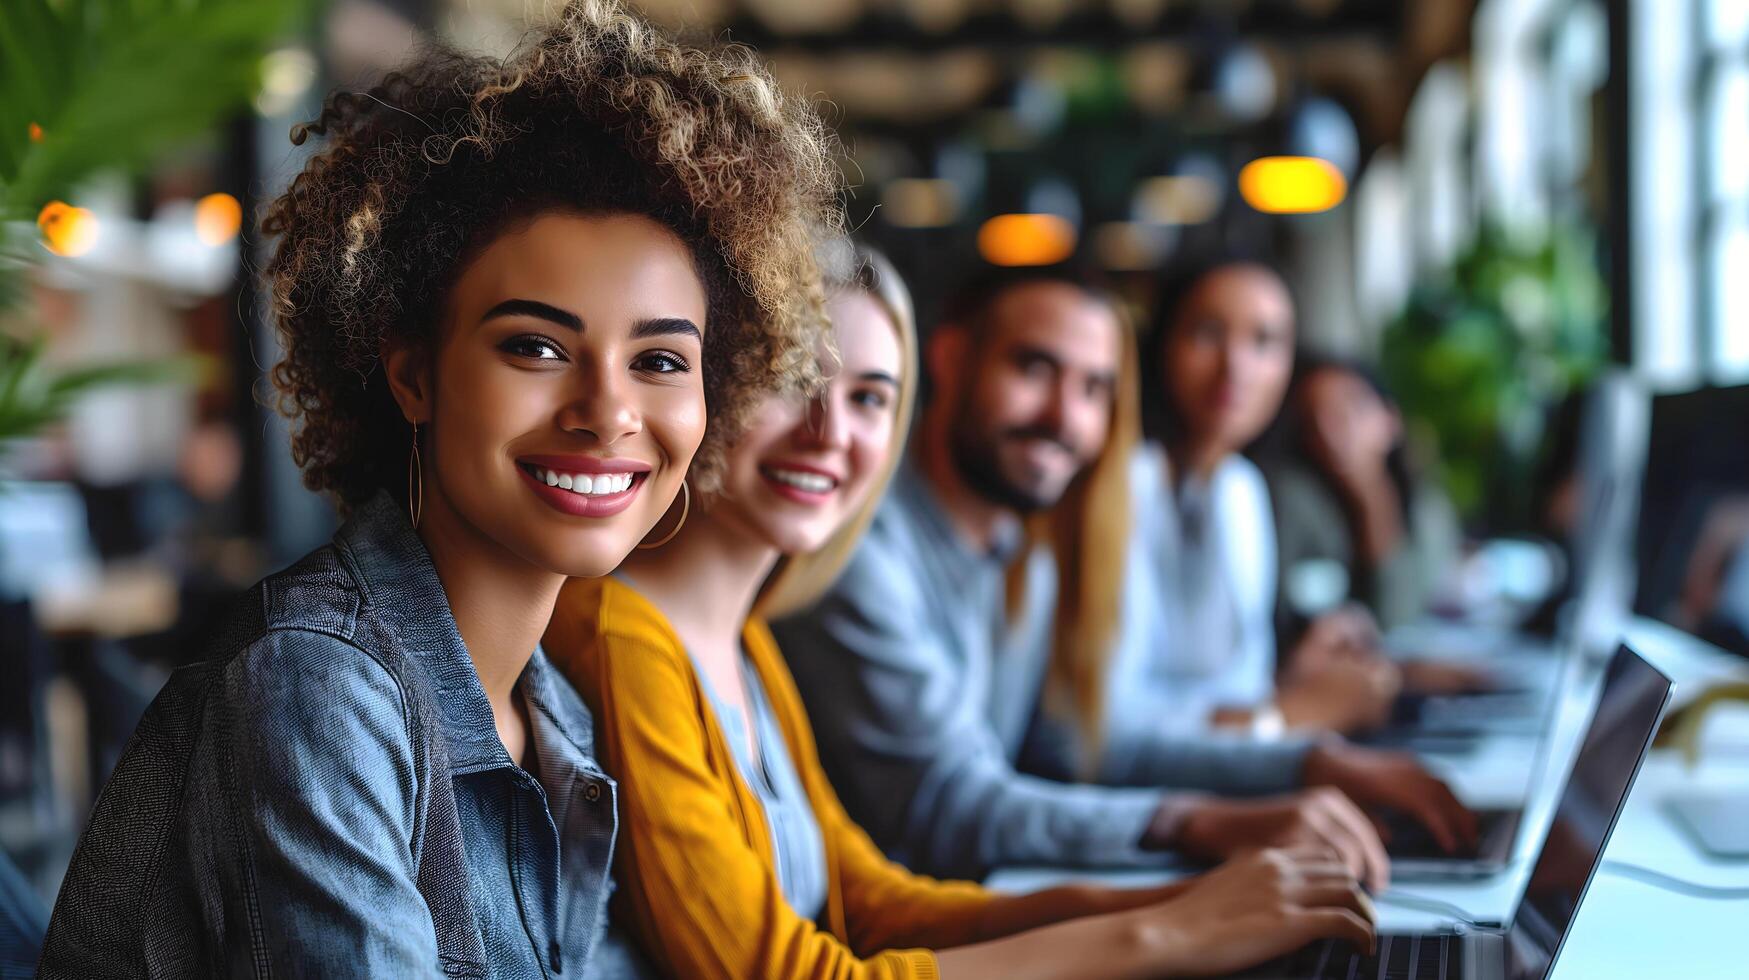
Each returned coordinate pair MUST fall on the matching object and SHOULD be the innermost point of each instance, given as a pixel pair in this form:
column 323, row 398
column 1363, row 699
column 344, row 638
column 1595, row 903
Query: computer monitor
column 1693, row 465
column 1612, row 460
column 1621, row 730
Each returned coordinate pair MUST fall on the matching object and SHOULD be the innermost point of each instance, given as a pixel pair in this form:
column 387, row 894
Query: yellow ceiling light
column 1026, row 239
column 67, row 230
column 217, row 219
column 1292, row 185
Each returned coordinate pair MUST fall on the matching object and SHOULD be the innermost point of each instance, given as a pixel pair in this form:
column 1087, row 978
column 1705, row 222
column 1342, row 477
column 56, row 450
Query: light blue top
column 796, row 843
column 924, row 700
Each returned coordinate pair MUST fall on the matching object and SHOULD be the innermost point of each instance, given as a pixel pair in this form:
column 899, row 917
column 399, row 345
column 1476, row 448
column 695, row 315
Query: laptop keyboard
column 1432, row 957
column 1410, row 840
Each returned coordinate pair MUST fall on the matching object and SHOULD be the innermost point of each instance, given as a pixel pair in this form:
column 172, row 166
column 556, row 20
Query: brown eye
column 662, row 362
column 534, row 347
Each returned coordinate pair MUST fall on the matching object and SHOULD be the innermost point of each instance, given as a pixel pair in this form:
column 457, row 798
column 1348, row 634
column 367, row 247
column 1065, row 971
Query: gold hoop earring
column 685, row 509
column 415, row 482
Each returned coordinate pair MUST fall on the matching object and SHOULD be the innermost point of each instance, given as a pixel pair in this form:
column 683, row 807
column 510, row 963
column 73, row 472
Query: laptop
column 1612, row 454
column 1634, row 697
column 1613, row 444
column 1415, row 855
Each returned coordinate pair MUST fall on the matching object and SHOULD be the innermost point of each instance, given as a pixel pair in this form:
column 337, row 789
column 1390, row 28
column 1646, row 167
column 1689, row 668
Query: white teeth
column 807, row 482
column 599, row 485
column 604, row 484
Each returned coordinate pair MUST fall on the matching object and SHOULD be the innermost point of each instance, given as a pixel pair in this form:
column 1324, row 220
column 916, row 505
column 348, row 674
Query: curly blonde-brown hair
column 598, row 113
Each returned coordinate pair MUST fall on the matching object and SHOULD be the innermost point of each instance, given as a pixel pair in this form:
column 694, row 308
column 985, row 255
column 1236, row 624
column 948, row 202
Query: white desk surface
column 1625, row 928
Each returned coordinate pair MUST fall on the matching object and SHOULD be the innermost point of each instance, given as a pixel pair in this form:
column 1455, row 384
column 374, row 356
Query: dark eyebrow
column 1028, row 352
column 666, row 326
column 536, row 309
column 878, row 376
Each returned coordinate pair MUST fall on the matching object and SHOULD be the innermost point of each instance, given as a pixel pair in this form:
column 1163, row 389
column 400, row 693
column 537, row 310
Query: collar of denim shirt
column 400, row 583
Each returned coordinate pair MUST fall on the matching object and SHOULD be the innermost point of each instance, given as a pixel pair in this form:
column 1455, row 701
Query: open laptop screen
column 1621, row 729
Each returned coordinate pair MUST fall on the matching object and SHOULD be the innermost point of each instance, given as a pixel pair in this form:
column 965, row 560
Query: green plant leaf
column 115, row 83
column 32, row 396
column 1474, row 374
column 112, row 84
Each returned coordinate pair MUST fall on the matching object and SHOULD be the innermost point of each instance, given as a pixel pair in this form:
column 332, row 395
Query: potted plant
column 1481, row 352
column 96, row 86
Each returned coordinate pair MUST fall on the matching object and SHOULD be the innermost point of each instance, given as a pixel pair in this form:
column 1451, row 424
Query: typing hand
column 1344, row 632
column 1257, row 907
column 1343, row 695
column 1322, row 817
column 1398, row 781
column 1445, row 677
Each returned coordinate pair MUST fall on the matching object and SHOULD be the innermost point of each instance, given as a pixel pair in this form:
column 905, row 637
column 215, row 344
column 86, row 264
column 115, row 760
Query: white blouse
column 1198, row 630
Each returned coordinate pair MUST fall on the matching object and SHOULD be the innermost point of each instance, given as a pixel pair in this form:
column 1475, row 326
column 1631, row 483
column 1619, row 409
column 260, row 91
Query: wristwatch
column 1267, row 723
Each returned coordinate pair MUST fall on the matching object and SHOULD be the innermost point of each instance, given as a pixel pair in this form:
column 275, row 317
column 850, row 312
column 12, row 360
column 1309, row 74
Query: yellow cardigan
column 697, row 883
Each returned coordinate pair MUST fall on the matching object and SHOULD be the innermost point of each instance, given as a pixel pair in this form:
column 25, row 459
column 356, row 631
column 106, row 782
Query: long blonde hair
column 1088, row 535
column 800, row 580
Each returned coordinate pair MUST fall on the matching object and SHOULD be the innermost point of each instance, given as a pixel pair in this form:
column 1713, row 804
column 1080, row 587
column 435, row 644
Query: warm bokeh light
column 67, row 230
column 1292, row 185
column 36, row 133
column 217, row 219
column 1026, row 239
column 920, row 203
column 1131, row 246
column 1189, row 199
column 286, row 75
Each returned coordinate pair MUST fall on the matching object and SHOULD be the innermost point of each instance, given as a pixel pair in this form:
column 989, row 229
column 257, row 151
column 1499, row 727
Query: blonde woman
column 737, row 859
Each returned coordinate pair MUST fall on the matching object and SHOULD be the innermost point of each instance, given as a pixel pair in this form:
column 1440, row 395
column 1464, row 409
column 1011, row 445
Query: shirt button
column 593, row 792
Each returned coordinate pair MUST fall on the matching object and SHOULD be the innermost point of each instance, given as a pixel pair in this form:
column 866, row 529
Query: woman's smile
column 584, row 486
column 800, row 483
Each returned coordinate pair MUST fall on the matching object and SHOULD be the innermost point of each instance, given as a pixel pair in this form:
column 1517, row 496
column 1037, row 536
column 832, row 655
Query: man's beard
column 976, row 459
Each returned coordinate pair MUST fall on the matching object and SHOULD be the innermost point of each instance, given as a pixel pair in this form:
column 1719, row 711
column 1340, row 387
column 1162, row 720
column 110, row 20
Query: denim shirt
column 327, row 796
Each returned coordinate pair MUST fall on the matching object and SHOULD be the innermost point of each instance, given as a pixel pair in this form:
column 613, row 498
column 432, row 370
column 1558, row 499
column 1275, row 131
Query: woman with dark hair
column 1215, row 371
column 1196, row 648
column 1348, row 505
column 510, row 294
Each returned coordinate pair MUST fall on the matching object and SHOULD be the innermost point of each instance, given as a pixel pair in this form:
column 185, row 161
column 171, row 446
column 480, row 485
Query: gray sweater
column 923, row 697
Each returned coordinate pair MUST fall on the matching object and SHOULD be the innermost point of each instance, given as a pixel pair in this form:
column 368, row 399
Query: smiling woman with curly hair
column 520, row 302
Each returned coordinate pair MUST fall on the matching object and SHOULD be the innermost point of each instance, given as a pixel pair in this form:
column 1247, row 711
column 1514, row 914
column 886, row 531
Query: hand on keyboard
column 1260, row 906
column 1398, row 781
column 1322, row 817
